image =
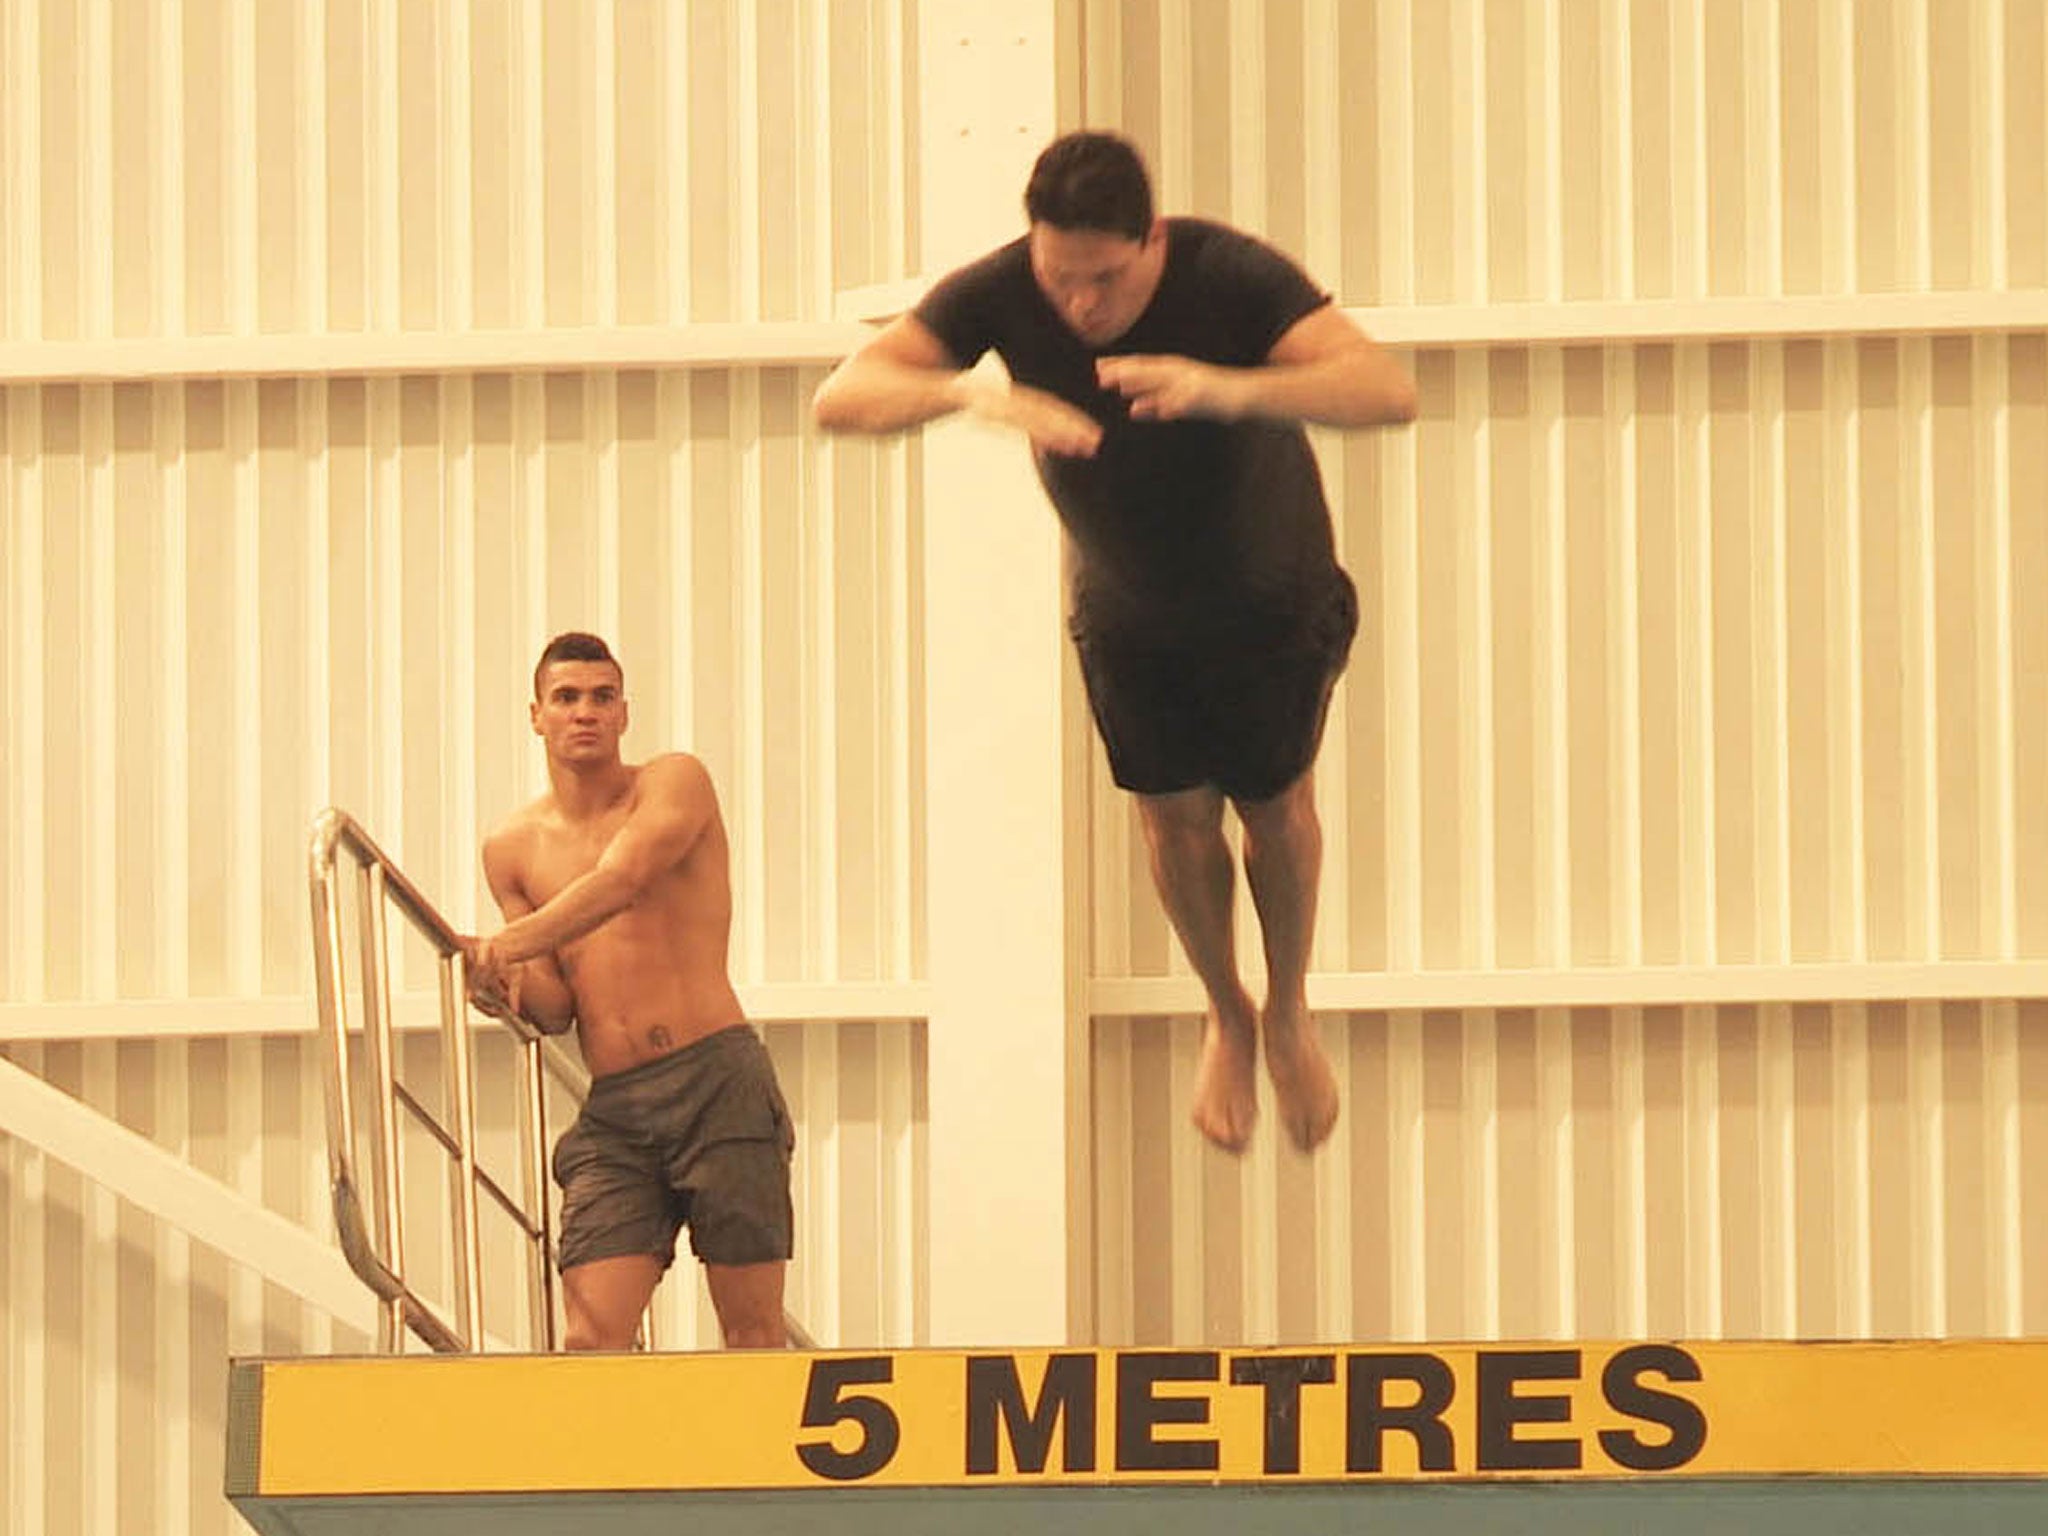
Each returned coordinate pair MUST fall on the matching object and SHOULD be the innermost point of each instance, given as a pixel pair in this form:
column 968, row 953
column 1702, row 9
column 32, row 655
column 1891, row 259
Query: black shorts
column 1246, row 717
column 701, row 1137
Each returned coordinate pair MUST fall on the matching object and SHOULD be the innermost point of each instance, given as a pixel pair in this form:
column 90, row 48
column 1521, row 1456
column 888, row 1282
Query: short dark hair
column 574, row 645
column 1091, row 181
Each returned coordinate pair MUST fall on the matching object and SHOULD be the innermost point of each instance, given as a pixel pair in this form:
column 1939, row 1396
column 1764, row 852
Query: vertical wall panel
column 227, row 603
column 2027, row 446
column 1674, row 653
column 227, row 672
column 113, row 1321
column 1700, row 654
column 62, row 828
column 1750, row 1204
column 290, row 503
column 1720, row 142
column 1747, row 618
column 11, row 744
column 492, row 165
column 20, row 265
column 1749, row 603
column 2022, row 31
column 107, row 1288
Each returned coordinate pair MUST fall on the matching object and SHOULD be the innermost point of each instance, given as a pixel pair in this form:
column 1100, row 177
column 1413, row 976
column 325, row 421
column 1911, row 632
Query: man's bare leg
column 748, row 1300
column 604, row 1299
column 1192, row 867
column 1283, row 858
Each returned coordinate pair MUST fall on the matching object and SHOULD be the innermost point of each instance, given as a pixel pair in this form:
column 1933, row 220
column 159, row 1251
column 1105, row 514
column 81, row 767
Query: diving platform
column 1804, row 1439
column 1771, row 1439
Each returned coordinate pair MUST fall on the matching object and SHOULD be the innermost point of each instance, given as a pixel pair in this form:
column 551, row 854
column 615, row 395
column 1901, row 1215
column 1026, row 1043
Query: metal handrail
column 375, row 1244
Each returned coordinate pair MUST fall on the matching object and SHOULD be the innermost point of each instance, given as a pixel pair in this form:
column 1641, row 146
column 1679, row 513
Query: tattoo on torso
column 660, row 1037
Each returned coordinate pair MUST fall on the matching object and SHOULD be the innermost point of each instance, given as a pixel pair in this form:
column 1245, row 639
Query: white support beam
column 877, row 302
column 1594, row 321
column 379, row 354
column 1628, row 321
column 168, row 1018
column 171, row 1189
column 1005, row 992
column 1645, row 986
column 743, row 344
column 1619, row 986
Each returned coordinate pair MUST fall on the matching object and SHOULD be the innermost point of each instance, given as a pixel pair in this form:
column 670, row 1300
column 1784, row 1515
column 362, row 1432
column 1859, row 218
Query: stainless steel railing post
column 533, row 1147
column 460, row 1077
column 387, row 1174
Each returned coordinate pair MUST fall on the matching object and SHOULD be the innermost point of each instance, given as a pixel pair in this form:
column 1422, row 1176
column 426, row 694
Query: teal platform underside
column 1750, row 1507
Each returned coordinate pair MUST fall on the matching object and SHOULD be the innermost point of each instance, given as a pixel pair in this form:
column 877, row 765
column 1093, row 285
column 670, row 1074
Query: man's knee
column 748, row 1301
column 603, row 1300
column 1298, row 799
column 765, row 1332
column 586, row 1333
column 1190, row 818
column 1289, row 815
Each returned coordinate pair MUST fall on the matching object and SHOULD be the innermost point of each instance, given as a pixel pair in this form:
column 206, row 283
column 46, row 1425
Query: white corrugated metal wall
column 1680, row 660
column 352, row 348
column 1696, row 639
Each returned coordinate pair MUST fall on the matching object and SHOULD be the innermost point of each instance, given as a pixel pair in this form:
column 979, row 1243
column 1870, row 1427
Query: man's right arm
column 904, row 377
column 538, row 991
column 901, row 377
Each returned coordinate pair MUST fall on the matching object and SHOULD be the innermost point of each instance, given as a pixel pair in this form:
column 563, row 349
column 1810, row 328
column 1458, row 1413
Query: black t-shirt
column 1181, row 528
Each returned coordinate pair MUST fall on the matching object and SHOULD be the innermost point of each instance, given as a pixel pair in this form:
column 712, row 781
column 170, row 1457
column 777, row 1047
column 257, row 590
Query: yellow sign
column 518, row 1424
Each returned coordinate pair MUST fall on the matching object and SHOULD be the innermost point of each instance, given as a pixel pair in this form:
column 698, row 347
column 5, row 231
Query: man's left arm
column 676, row 805
column 1323, row 369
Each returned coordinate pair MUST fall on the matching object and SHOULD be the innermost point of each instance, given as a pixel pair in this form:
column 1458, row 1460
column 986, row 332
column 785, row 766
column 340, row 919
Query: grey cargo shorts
column 698, row 1138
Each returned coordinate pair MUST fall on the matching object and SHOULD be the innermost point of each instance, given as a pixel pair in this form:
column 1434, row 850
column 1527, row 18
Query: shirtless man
column 617, row 909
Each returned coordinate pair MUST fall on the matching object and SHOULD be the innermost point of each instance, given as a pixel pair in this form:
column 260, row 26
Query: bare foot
column 1226, row 1085
column 1303, row 1085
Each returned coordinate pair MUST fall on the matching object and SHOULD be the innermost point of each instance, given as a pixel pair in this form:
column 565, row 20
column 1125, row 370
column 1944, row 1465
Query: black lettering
column 1138, row 1412
column 1500, row 1410
column 994, row 1389
column 1368, row 1418
column 1282, row 1376
column 824, row 1406
column 1623, row 1387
